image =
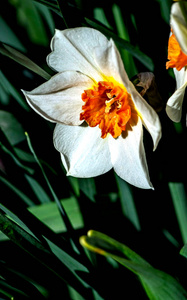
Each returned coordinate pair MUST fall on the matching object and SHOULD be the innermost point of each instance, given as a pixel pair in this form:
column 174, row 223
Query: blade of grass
column 16, row 219
column 59, row 205
column 87, row 185
column 179, row 198
column 40, row 253
column 70, row 229
column 38, row 190
column 23, row 60
column 12, row 91
column 27, row 169
column 20, row 283
column 25, row 198
column 123, row 33
column 127, row 202
column 49, row 214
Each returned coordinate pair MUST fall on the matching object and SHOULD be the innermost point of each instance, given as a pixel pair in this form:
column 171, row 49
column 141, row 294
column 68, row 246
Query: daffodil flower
column 177, row 55
column 99, row 113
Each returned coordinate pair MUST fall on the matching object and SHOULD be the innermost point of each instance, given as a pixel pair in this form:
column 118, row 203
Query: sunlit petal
column 174, row 103
column 73, row 49
column 179, row 25
column 59, row 99
column 110, row 63
column 128, row 157
column 84, row 153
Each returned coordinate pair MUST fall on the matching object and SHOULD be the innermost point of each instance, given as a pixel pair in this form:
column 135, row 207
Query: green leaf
column 16, row 219
column 11, row 128
column 7, row 36
column 19, row 236
column 123, row 33
column 38, row 190
column 16, row 160
column 179, row 198
column 99, row 15
column 23, row 60
column 28, row 16
column 49, row 214
column 59, row 205
column 25, row 198
column 127, row 202
column 25, row 156
column 165, row 7
column 11, row 91
column 44, row 11
column 72, row 264
column 157, row 284
column 183, row 251
column 87, row 186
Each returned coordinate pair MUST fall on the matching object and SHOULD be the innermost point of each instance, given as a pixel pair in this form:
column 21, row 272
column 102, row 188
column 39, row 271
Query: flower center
column 177, row 59
column 107, row 105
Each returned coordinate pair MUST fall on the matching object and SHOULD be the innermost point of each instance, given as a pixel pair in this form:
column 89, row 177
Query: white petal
column 149, row 117
column 179, row 25
column 174, row 103
column 181, row 77
column 73, row 49
column 84, row 153
column 110, row 63
column 59, row 99
column 128, row 157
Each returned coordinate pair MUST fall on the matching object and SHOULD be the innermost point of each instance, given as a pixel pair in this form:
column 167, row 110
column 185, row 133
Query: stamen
column 177, row 59
column 109, row 106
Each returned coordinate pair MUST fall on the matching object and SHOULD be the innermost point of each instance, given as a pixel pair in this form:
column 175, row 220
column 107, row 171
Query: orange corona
column 177, row 59
column 108, row 105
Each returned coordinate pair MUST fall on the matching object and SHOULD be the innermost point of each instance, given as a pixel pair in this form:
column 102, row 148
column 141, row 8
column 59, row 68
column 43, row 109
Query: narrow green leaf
column 99, row 15
column 8, row 87
column 11, row 127
column 8, row 291
column 27, row 169
column 16, row 219
column 38, row 190
column 47, row 15
column 179, row 198
column 49, row 214
column 183, row 251
column 69, row 261
column 9, row 37
column 28, row 16
column 52, row 6
column 127, row 202
column 59, row 205
column 165, row 7
column 157, row 284
column 74, row 184
column 87, row 186
column 25, row 198
column 23, row 60
column 23, row 155
column 18, row 235
column 123, row 33
column 21, row 283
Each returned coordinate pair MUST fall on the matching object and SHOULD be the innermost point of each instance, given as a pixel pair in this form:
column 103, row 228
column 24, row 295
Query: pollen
column 177, row 59
column 109, row 106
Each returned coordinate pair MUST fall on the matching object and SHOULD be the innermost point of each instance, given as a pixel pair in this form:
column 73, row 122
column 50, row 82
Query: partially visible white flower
column 99, row 113
column 177, row 55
